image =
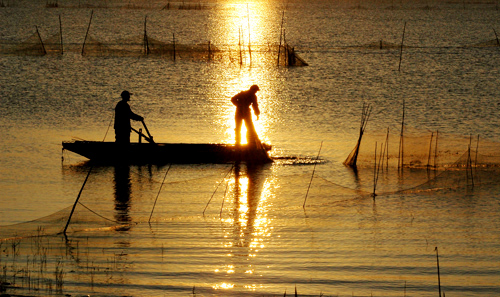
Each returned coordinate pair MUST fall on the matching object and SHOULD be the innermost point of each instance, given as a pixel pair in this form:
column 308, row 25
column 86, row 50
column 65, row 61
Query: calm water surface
column 224, row 230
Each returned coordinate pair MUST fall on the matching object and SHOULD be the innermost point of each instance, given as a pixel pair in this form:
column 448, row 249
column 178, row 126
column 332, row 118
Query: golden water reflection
column 242, row 26
column 248, row 228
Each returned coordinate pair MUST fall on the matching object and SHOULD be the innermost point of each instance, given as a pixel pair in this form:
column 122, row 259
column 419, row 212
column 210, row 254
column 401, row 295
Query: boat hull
column 164, row 153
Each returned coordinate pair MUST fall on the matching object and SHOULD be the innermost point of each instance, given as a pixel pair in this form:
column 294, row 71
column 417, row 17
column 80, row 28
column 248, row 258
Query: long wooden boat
column 164, row 153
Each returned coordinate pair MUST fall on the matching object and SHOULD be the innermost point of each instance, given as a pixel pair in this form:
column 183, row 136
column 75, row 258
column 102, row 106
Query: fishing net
column 33, row 45
column 143, row 45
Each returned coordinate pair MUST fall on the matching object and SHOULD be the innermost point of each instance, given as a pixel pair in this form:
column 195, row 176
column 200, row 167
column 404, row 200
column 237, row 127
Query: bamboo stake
column 41, row 41
column 281, row 35
column 496, row 36
column 77, row 199
column 230, row 169
column 365, row 115
column 157, row 195
column 146, row 41
column 83, row 185
column 376, row 171
column 173, row 38
column 401, row 53
column 469, row 162
column 209, row 51
column 439, row 276
column 387, row 149
column 401, row 141
column 436, row 150
column 312, row 176
column 60, row 31
column 477, row 149
column 430, row 151
column 86, row 34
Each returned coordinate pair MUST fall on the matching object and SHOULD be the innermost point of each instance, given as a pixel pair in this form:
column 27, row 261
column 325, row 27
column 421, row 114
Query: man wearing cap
column 123, row 115
column 242, row 101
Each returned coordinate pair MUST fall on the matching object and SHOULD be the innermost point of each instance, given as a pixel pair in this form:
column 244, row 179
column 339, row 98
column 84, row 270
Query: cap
column 126, row 94
column 254, row 88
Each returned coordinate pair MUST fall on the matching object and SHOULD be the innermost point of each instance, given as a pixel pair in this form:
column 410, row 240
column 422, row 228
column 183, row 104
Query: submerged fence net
column 146, row 46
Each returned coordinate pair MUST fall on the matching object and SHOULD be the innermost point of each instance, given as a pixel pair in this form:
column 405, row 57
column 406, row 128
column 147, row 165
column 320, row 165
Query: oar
column 150, row 140
column 147, row 131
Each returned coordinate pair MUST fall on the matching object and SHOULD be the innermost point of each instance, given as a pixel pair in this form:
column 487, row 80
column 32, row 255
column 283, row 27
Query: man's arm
column 255, row 107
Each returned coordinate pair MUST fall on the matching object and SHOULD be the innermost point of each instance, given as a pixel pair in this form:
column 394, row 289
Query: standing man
column 123, row 115
column 242, row 101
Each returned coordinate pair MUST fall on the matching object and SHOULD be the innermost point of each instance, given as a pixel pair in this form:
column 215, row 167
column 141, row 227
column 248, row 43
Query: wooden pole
column 209, row 51
column 439, row 275
column 387, row 149
column 401, row 53
column 375, row 172
column 163, row 182
column 312, row 175
column 401, row 141
column 86, row 34
column 60, row 32
column 41, row 41
column 174, row 44
column 496, row 37
column 477, row 149
column 76, row 201
column 230, row 169
column 436, row 150
column 430, row 151
column 469, row 162
column 281, row 35
column 146, row 41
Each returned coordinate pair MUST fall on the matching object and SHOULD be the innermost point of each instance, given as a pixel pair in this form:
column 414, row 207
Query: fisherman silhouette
column 123, row 115
column 242, row 101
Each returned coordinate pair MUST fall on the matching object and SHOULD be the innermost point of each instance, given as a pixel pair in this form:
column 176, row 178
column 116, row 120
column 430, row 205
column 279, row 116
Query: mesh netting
column 33, row 45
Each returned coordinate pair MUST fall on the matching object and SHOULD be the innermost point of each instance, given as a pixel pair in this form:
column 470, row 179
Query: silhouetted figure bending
column 242, row 101
column 123, row 115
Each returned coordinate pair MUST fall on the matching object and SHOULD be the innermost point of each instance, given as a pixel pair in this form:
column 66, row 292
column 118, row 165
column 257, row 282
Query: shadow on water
column 122, row 193
column 249, row 202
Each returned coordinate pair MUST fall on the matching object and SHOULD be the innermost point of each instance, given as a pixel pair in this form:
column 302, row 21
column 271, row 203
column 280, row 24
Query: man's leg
column 251, row 133
column 237, row 130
